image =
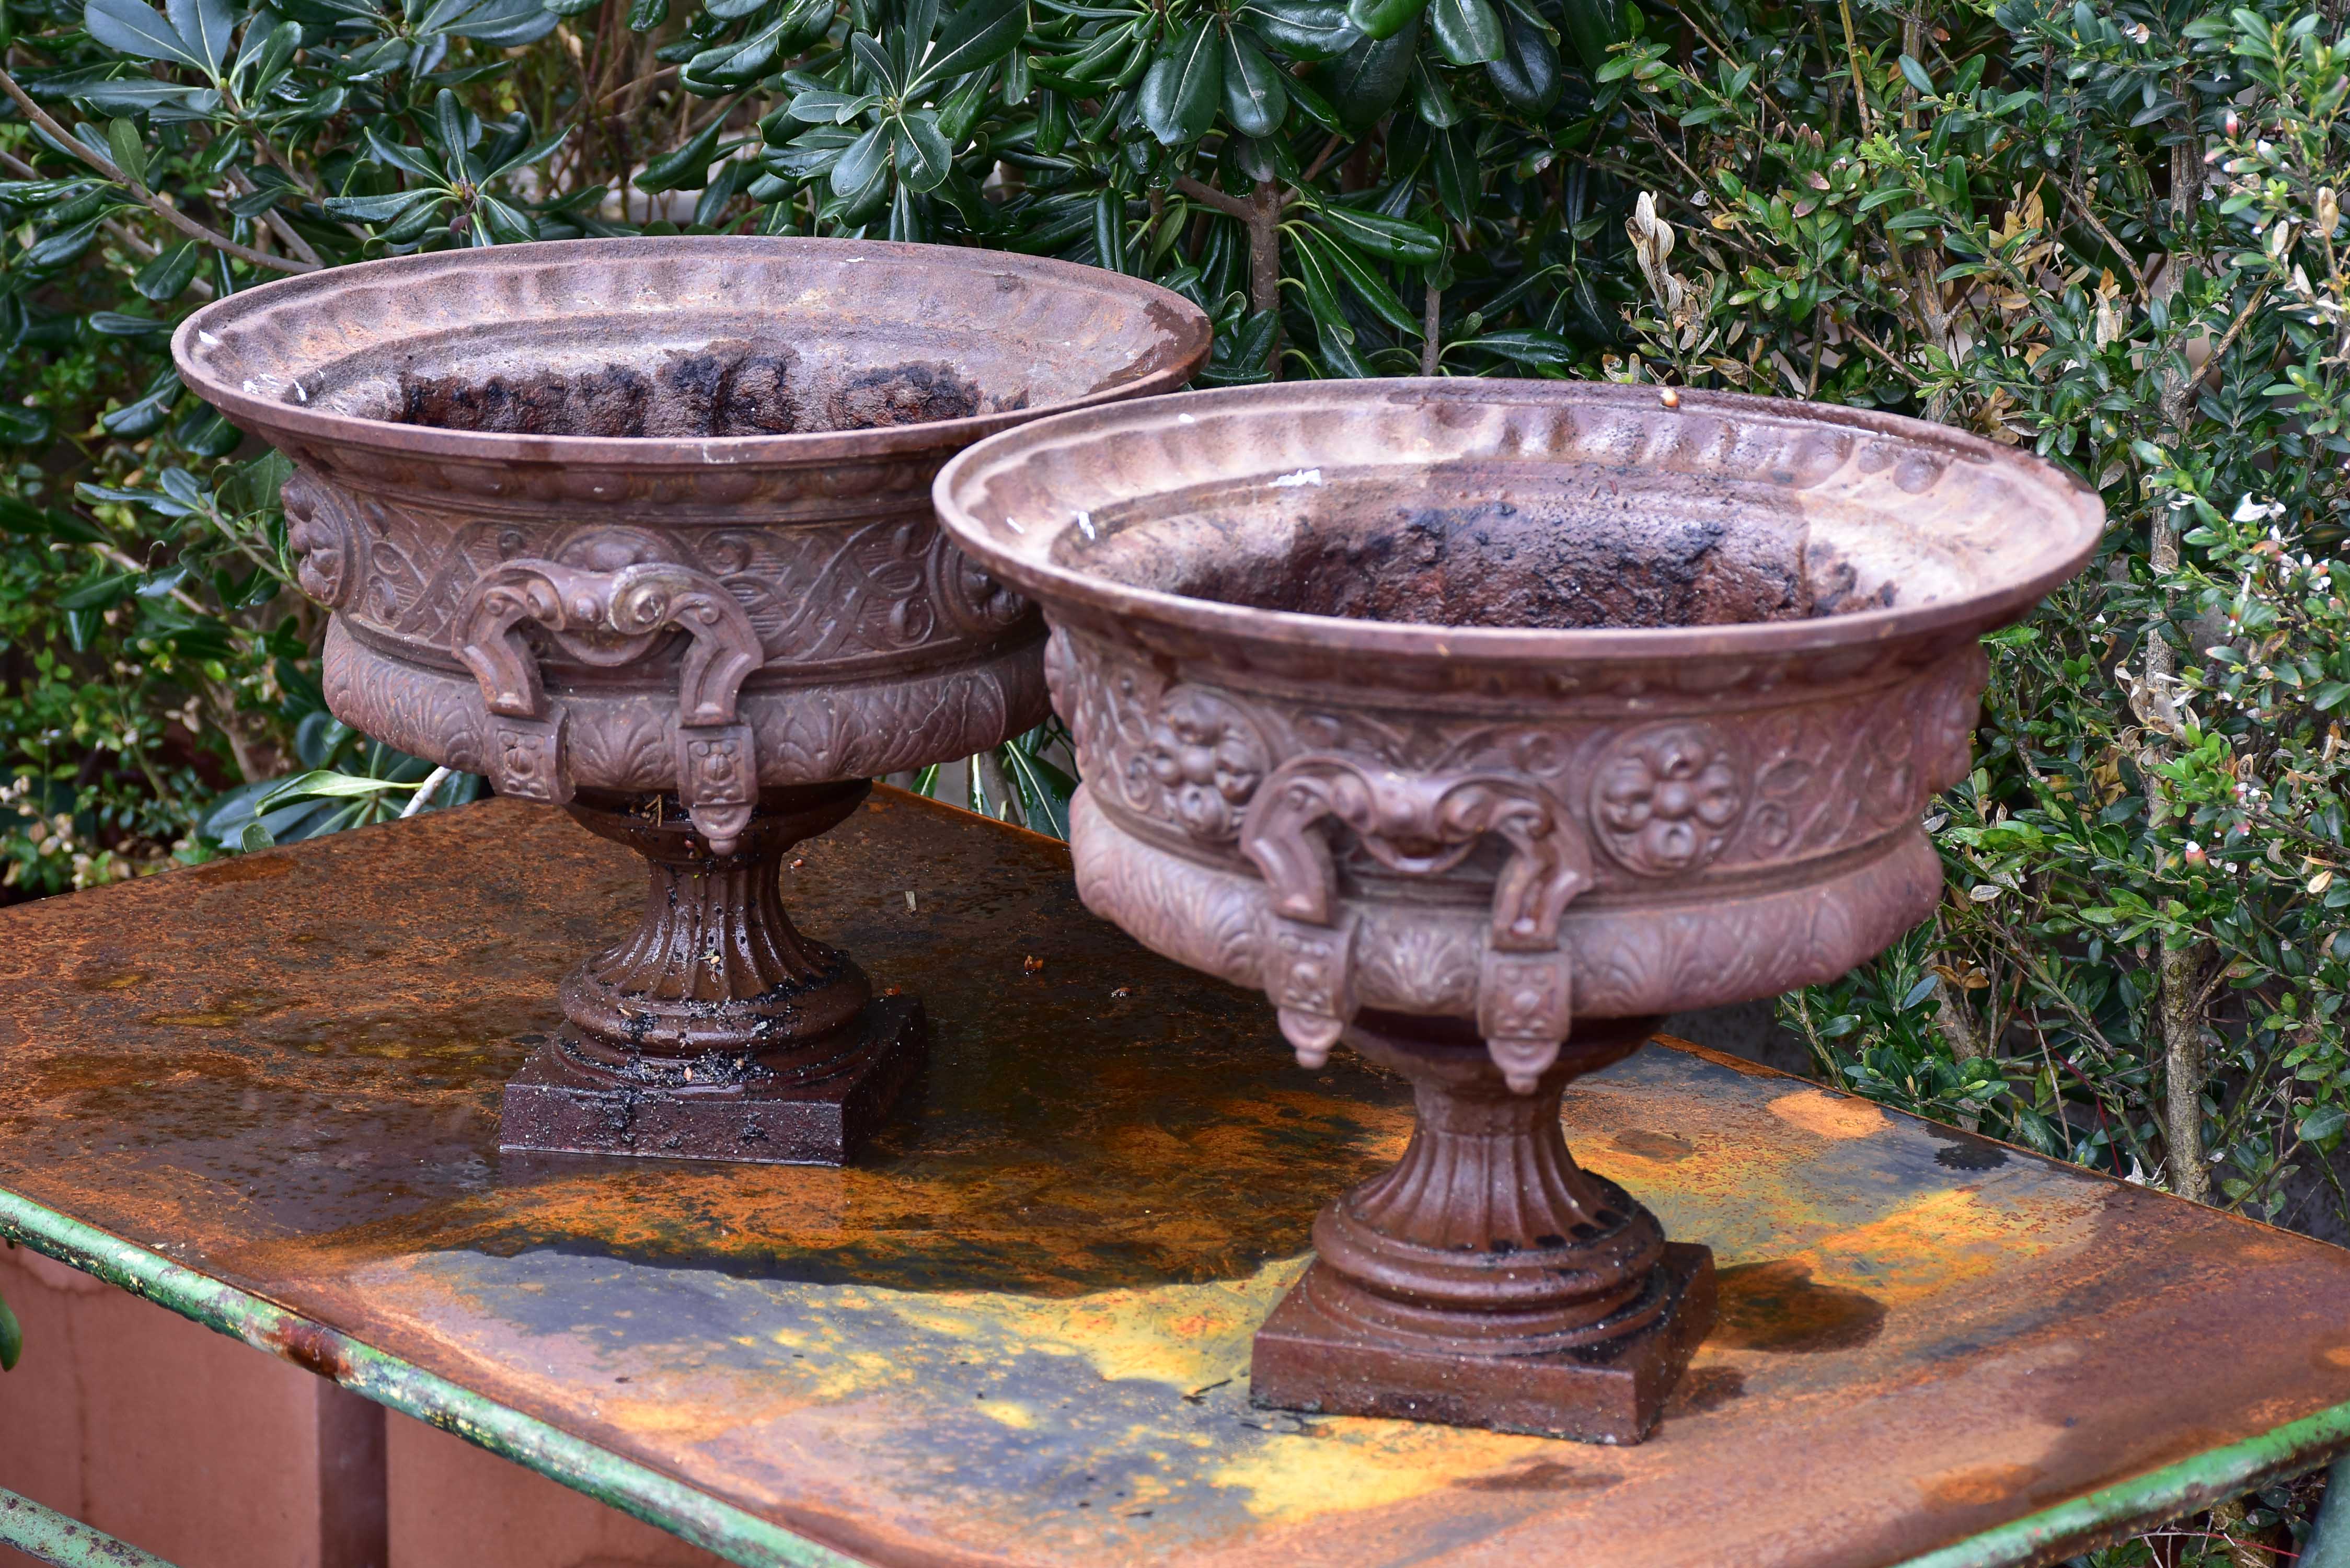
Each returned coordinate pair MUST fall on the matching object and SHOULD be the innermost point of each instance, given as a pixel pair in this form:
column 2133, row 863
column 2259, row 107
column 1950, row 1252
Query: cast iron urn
column 1479, row 724
column 641, row 528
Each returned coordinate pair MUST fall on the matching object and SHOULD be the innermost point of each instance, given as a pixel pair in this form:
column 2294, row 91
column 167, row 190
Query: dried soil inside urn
column 1569, row 550
column 727, row 389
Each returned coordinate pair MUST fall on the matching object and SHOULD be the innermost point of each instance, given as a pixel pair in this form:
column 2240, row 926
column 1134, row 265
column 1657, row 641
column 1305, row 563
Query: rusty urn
column 643, row 529
column 1479, row 723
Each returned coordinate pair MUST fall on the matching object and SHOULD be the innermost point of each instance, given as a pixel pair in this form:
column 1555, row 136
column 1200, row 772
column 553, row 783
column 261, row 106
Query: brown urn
column 642, row 528
column 1480, row 723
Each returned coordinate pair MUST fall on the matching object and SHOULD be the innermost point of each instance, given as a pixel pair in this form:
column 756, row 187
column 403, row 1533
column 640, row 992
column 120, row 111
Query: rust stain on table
column 1017, row 1331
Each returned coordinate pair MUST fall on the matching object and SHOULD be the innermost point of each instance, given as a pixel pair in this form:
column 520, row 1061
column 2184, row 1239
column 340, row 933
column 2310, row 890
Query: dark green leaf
column 861, row 163
column 11, row 1339
column 1526, row 75
column 1432, row 98
column 688, row 167
column 99, row 593
column 880, row 71
column 137, row 96
column 1593, row 27
column 409, row 160
column 1184, row 86
column 1467, row 32
column 140, row 30
column 923, row 156
column 1308, row 100
column 205, row 26
column 1526, row 346
column 978, row 34
column 1376, row 234
column 129, row 153
column 506, row 225
column 57, row 249
column 1256, row 94
column 1365, row 82
column 1303, row 29
column 118, row 324
column 21, row 426
column 1916, row 76
column 1452, row 157
column 1384, row 18
column 374, row 209
column 501, row 24
column 1109, row 230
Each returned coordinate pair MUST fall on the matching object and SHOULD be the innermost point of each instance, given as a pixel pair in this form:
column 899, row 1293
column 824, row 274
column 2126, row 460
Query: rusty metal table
column 264, row 1092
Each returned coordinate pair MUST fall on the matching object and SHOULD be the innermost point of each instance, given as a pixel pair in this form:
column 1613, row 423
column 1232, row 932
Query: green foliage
column 2106, row 232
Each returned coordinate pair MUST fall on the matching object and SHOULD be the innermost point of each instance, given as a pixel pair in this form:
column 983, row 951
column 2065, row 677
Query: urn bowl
column 1479, row 723
column 605, row 514
column 642, row 528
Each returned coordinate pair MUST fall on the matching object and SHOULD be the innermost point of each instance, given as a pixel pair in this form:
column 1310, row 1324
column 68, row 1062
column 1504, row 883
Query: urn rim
column 201, row 346
column 1025, row 555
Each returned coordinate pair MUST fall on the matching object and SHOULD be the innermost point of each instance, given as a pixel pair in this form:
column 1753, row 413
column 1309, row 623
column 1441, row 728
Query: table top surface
column 1017, row 1330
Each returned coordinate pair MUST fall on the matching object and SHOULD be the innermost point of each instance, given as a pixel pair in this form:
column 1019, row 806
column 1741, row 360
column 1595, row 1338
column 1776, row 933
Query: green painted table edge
column 667, row 1503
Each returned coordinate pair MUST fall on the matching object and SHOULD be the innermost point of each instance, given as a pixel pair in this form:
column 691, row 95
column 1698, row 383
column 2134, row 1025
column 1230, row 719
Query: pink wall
column 212, row 1455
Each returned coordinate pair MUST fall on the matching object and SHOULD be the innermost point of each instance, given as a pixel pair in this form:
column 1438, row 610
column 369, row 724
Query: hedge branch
column 154, row 204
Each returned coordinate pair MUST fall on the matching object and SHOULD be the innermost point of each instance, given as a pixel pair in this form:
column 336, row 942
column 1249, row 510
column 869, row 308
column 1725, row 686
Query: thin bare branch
column 154, row 204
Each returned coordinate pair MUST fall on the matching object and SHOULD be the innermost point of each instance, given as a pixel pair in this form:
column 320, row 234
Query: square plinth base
column 551, row 1105
column 1608, row 1394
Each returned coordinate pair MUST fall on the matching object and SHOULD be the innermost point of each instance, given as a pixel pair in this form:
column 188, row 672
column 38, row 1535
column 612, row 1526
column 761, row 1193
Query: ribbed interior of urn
column 691, row 379
column 1551, row 545
column 690, row 338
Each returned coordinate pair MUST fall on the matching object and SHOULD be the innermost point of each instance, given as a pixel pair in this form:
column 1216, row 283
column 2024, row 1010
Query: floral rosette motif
column 1664, row 800
column 1208, row 759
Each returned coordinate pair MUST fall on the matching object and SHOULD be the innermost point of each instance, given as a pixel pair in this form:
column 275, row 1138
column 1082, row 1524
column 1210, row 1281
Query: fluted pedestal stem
column 715, row 1030
column 714, row 974
column 1487, row 1280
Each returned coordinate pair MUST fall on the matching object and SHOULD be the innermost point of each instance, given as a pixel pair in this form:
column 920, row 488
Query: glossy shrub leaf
column 1302, row 29
column 21, row 426
column 1431, row 96
column 129, row 153
column 861, row 163
column 207, row 25
column 122, row 324
column 1384, row 18
column 374, row 208
column 140, row 30
column 1318, row 283
column 1366, row 81
column 687, row 167
column 1467, row 32
column 922, row 154
column 1529, row 347
column 1377, row 234
column 1257, row 94
column 500, row 23
column 977, row 36
column 1373, row 290
column 1526, row 76
column 1184, row 86
column 1453, row 159
column 1593, row 27
column 11, row 1339
column 1109, row 230
column 65, row 246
